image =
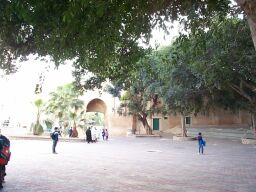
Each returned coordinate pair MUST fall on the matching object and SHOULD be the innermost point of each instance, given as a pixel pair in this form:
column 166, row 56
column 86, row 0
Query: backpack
column 5, row 153
column 203, row 142
column 52, row 136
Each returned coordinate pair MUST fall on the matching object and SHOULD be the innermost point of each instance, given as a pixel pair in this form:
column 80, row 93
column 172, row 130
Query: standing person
column 4, row 156
column 201, row 143
column 88, row 135
column 106, row 134
column 55, row 138
column 103, row 134
column 93, row 133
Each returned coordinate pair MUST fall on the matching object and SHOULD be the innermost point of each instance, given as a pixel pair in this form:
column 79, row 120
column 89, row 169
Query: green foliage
column 49, row 124
column 115, row 89
column 37, row 129
column 94, row 118
column 225, row 61
column 99, row 119
column 64, row 103
column 212, row 68
column 38, row 103
column 99, row 36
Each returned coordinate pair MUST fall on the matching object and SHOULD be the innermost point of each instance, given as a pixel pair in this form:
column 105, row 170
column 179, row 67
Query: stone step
column 144, row 135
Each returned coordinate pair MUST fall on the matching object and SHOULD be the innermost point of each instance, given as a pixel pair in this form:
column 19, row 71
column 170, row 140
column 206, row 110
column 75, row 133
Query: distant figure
column 94, row 134
column 106, row 134
column 103, row 134
column 55, row 138
column 5, row 155
column 88, row 135
column 201, row 143
column 70, row 131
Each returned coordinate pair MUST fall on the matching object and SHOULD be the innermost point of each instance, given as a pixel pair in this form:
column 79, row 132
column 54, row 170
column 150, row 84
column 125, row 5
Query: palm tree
column 76, row 112
column 64, row 105
column 37, row 127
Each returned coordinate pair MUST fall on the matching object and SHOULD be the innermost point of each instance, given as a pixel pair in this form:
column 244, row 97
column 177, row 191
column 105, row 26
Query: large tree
column 206, row 70
column 249, row 8
column 99, row 36
column 213, row 68
column 143, row 93
column 227, row 63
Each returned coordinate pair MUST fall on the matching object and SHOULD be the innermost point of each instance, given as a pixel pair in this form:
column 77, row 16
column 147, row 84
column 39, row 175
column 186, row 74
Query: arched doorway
column 96, row 117
column 96, row 105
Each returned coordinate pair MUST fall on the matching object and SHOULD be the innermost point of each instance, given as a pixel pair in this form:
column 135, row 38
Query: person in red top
column 5, row 156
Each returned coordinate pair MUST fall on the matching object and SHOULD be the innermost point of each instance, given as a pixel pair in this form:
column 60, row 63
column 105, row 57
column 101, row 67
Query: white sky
column 17, row 90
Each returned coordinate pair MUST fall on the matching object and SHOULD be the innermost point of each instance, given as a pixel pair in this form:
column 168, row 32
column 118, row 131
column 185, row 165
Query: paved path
column 131, row 165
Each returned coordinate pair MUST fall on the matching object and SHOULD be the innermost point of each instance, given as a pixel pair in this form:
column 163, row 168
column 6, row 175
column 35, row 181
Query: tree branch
column 240, row 91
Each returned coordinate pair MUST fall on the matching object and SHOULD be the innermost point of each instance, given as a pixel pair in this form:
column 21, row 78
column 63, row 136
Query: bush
column 37, row 129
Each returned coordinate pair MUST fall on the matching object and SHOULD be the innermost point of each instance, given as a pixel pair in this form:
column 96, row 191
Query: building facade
column 120, row 125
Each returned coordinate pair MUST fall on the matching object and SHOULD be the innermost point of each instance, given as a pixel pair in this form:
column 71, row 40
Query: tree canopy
column 199, row 73
column 99, row 36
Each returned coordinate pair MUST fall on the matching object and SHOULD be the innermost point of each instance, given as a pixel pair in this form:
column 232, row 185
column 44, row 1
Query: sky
column 17, row 90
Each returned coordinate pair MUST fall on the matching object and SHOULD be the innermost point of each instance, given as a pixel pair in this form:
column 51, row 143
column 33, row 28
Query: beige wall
column 119, row 125
column 219, row 118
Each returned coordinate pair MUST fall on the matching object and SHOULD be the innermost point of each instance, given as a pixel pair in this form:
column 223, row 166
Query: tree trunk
column 134, row 120
column 253, row 124
column 183, row 127
column 143, row 119
column 38, row 116
column 249, row 7
column 252, row 24
column 74, row 130
column 148, row 128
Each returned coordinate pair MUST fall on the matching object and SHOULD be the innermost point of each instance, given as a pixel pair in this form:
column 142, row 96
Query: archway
column 96, row 105
column 96, row 118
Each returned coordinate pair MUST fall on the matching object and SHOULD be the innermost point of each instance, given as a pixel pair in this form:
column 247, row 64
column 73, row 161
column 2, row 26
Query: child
column 201, row 143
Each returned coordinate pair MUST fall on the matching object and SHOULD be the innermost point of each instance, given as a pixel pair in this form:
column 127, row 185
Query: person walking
column 106, row 134
column 88, row 135
column 93, row 132
column 55, row 138
column 201, row 143
column 103, row 134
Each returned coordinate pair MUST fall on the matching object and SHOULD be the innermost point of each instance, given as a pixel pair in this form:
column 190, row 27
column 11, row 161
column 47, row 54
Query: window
column 188, row 120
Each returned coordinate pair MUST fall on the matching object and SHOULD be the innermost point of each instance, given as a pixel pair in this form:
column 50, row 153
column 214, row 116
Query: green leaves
column 99, row 36
column 64, row 102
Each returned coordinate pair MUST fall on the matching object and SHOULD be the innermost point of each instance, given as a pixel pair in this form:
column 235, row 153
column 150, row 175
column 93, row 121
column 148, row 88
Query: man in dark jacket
column 88, row 135
column 55, row 139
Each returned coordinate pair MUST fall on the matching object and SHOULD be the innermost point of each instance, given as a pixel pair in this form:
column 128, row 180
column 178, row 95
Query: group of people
column 104, row 134
column 5, row 143
column 92, row 134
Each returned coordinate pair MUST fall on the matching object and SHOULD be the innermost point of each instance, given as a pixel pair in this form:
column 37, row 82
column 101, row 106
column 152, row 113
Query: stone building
column 121, row 125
